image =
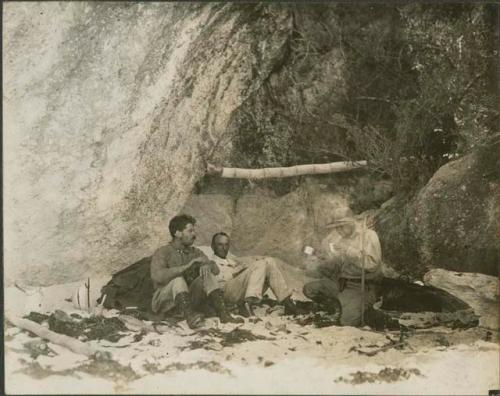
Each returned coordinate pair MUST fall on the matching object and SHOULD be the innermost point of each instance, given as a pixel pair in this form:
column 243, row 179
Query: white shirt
column 350, row 253
column 226, row 266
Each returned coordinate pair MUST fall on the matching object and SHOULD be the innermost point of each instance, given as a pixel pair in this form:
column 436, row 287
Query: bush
column 405, row 87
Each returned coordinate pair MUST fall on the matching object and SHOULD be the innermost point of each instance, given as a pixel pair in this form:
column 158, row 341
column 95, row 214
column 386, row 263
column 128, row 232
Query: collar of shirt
column 184, row 250
column 227, row 262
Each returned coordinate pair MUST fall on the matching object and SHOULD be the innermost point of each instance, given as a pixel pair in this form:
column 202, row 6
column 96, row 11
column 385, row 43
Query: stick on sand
column 60, row 339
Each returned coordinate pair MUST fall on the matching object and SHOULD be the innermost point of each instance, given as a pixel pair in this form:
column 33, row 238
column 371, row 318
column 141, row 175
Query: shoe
column 334, row 308
column 246, row 310
column 217, row 300
column 193, row 319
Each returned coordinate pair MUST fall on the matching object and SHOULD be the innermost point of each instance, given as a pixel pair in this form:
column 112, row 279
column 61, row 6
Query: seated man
column 338, row 269
column 182, row 275
column 244, row 280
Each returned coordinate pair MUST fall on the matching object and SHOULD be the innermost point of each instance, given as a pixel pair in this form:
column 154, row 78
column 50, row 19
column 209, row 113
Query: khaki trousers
column 349, row 297
column 164, row 297
column 254, row 280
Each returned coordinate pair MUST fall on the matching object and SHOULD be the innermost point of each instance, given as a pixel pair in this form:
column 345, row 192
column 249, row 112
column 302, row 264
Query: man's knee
column 164, row 297
column 178, row 285
column 271, row 264
column 312, row 289
column 321, row 288
column 206, row 284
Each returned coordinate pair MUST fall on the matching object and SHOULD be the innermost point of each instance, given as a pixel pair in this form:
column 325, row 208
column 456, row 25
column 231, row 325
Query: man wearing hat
column 344, row 255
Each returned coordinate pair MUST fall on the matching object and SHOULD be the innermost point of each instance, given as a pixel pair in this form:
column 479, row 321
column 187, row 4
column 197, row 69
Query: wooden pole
column 363, row 259
column 71, row 343
column 87, row 286
column 298, row 170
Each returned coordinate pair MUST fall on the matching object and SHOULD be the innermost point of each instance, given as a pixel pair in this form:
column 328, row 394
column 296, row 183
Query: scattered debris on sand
column 387, row 374
column 91, row 328
column 144, row 350
column 102, row 368
column 216, row 339
column 211, row 366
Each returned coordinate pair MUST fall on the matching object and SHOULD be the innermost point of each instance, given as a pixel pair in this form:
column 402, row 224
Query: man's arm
column 211, row 258
column 162, row 274
column 372, row 251
column 321, row 265
column 208, row 261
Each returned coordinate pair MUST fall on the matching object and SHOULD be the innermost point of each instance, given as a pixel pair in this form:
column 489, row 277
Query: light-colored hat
column 341, row 222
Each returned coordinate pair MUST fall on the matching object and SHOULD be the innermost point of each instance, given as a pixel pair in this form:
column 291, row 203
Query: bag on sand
column 130, row 287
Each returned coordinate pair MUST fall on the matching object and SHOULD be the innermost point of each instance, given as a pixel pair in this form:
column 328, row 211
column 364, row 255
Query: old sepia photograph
column 251, row 198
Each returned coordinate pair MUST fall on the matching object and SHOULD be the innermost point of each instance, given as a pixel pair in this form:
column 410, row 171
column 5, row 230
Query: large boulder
column 452, row 223
column 455, row 218
column 111, row 110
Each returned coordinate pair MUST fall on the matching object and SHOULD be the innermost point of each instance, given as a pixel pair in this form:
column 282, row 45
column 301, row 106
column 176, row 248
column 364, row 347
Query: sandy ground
column 289, row 359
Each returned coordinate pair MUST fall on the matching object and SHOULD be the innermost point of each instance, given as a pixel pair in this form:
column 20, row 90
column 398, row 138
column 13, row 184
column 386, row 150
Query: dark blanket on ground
column 130, row 287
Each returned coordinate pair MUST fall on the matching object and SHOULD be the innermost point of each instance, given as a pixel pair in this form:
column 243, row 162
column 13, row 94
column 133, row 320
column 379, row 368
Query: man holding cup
column 345, row 257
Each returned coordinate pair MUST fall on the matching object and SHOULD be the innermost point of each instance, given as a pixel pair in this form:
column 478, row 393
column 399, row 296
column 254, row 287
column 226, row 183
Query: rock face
column 480, row 291
column 454, row 221
column 271, row 226
column 456, row 217
column 261, row 223
column 110, row 111
column 213, row 212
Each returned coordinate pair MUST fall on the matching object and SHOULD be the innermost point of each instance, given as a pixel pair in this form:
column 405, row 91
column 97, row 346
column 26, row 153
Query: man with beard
column 183, row 277
column 338, row 268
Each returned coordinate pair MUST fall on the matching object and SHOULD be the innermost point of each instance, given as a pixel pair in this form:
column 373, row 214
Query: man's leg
column 277, row 282
column 321, row 290
column 350, row 299
column 325, row 292
column 175, row 293
column 207, row 290
column 251, row 282
column 246, row 288
column 164, row 297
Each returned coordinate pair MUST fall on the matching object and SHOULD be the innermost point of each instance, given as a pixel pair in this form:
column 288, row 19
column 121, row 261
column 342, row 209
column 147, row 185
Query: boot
column 246, row 308
column 334, row 308
column 292, row 309
column 217, row 300
column 183, row 302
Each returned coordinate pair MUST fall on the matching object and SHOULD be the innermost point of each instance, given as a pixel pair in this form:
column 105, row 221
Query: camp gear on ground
column 130, row 287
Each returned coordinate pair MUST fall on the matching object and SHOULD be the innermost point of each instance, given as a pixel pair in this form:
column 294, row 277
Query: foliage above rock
column 375, row 82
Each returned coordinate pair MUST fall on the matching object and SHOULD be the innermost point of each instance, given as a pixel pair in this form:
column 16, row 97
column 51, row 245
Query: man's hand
column 196, row 261
column 214, row 267
column 336, row 249
column 205, row 270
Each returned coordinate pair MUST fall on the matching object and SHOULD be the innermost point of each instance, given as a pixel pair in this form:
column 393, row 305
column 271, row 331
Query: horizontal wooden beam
column 290, row 171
